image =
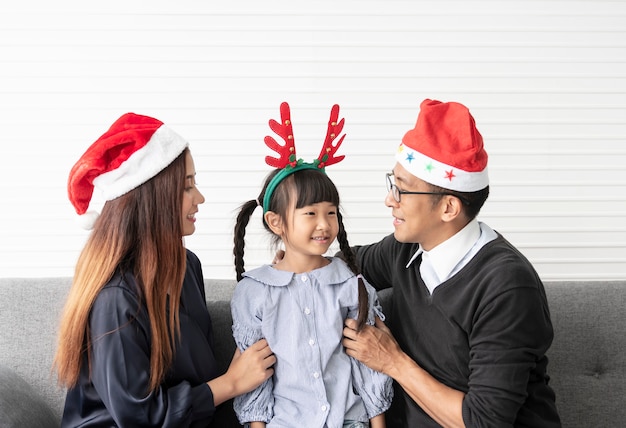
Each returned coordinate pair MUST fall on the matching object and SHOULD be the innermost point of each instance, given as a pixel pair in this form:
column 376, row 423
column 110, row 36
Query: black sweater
column 484, row 332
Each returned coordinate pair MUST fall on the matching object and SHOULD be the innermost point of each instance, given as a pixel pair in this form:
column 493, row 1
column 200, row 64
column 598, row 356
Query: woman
column 135, row 343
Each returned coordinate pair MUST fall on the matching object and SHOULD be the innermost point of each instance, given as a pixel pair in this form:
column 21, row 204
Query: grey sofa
column 587, row 358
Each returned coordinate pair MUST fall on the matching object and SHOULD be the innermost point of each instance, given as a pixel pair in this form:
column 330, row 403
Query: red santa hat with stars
column 132, row 151
column 445, row 148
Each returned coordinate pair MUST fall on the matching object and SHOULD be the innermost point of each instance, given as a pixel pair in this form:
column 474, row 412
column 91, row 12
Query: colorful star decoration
column 410, row 157
column 450, row 175
column 429, row 167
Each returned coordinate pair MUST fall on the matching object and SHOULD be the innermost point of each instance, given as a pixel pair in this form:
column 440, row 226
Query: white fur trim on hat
column 160, row 151
column 441, row 174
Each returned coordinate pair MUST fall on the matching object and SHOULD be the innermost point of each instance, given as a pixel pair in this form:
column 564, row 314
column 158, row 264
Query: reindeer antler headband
column 287, row 162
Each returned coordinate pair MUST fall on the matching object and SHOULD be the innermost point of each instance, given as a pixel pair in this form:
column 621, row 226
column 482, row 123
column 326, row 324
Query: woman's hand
column 252, row 367
column 247, row 370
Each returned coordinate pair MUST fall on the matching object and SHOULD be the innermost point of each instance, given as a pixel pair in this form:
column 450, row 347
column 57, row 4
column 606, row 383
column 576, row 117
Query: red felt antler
column 287, row 152
column 327, row 155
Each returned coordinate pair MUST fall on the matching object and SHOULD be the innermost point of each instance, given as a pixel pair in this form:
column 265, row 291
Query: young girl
column 300, row 303
column 135, row 342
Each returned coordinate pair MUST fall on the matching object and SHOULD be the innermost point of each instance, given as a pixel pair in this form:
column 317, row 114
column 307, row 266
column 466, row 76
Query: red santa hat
column 132, row 151
column 445, row 148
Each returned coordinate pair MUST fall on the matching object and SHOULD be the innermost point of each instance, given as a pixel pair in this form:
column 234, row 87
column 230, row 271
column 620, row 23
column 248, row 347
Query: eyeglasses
column 397, row 193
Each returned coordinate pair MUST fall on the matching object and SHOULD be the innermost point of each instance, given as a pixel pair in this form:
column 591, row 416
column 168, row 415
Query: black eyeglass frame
column 397, row 193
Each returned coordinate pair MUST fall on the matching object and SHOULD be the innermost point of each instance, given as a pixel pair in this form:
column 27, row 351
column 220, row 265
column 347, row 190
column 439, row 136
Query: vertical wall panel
column 545, row 80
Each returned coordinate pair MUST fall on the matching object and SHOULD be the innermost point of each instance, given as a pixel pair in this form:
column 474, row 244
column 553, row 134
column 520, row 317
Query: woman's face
column 191, row 197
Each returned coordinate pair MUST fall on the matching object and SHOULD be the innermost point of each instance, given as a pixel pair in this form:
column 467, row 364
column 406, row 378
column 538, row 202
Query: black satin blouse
column 114, row 391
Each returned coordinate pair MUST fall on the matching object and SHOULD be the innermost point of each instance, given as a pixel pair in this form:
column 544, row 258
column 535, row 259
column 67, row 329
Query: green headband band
column 281, row 175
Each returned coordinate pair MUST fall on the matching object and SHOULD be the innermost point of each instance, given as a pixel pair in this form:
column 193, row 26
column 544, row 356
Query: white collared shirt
column 449, row 257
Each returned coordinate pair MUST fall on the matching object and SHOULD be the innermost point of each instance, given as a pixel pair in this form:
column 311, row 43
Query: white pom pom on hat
column 87, row 220
column 445, row 148
column 132, row 151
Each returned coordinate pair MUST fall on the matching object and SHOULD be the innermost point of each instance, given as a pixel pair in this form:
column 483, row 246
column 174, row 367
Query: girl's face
column 312, row 229
column 191, row 197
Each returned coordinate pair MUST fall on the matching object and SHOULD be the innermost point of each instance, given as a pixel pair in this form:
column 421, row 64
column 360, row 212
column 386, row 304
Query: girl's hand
column 378, row 421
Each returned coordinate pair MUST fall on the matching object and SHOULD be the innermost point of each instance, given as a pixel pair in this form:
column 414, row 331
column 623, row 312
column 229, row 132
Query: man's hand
column 374, row 346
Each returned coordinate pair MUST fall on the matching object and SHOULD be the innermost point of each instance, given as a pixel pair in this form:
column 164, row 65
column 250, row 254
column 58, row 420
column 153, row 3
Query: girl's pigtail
column 243, row 218
column 350, row 259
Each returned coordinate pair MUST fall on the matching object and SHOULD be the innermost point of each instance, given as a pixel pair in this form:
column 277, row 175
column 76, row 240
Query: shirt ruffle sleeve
column 375, row 308
column 374, row 388
column 246, row 308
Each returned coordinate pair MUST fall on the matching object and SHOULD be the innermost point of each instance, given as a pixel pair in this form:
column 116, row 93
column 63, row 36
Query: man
column 469, row 324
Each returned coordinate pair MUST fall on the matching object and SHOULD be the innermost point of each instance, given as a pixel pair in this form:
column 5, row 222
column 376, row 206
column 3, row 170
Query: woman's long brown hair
column 139, row 233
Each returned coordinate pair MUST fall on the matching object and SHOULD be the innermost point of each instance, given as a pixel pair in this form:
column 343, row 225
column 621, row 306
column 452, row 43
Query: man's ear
column 274, row 222
column 452, row 209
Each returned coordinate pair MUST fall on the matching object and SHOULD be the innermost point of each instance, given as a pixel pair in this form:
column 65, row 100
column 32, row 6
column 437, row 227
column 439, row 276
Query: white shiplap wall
column 545, row 80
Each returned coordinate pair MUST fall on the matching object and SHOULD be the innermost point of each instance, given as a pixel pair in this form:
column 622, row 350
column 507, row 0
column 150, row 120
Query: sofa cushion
column 224, row 351
column 21, row 405
column 29, row 314
column 587, row 360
